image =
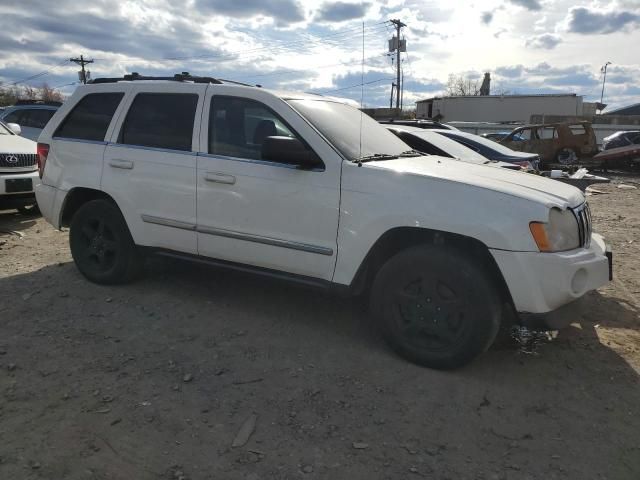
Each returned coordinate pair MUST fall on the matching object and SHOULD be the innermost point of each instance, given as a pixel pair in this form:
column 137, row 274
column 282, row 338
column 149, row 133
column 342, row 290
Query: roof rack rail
column 178, row 77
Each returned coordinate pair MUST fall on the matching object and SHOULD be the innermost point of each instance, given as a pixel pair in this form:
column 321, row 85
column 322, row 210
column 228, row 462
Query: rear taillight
column 43, row 152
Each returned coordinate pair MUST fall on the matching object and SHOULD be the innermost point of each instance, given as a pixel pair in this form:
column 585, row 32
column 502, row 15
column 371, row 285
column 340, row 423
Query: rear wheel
column 101, row 244
column 435, row 307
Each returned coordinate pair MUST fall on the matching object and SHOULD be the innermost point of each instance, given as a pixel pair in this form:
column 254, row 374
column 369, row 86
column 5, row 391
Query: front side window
column 238, row 127
column 90, row 118
column 15, row 117
column 160, row 120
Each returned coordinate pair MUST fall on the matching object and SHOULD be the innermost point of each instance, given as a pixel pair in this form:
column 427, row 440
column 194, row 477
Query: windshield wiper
column 375, row 156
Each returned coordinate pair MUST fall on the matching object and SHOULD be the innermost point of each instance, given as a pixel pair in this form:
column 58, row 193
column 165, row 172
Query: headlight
column 558, row 234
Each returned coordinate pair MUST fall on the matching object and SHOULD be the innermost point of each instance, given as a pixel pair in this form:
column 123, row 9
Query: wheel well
column 398, row 239
column 75, row 199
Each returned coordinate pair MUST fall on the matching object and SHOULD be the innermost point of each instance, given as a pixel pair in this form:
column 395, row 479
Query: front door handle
column 119, row 163
column 216, row 177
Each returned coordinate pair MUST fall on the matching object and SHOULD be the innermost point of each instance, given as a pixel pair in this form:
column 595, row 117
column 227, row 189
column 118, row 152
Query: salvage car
column 316, row 193
column 564, row 144
column 493, row 150
column 431, row 143
column 425, row 124
column 31, row 115
column 18, row 170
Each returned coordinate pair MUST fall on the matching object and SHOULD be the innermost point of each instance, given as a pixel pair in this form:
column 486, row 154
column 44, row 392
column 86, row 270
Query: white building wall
column 508, row 108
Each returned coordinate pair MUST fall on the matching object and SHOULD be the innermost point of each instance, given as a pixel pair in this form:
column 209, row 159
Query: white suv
column 308, row 188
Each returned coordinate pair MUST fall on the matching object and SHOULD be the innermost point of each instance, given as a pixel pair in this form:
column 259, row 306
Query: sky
column 528, row 46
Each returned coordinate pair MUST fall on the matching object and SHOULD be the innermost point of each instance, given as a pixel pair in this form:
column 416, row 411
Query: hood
column 549, row 192
column 17, row 144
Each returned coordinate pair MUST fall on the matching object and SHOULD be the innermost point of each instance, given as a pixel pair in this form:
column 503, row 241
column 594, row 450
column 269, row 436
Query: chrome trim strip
column 220, row 232
column 258, row 162
column 167, row 222
column 276, row 242
column 153, row 149
column 79, row 140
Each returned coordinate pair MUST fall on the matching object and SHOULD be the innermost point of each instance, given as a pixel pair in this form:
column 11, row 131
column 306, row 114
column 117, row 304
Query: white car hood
column 551, row 193
column 17, row 144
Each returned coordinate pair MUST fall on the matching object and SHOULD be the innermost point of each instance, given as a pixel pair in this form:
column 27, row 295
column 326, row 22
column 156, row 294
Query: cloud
column 341, row 11
column 533, row 5
column 283, row 11
column 510, row 71
column 586, row 21
column 545, row 41
column 486, row 17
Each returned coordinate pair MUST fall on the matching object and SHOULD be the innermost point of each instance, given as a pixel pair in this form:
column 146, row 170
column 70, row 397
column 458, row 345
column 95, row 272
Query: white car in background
column 431, row 142
column 18, row 170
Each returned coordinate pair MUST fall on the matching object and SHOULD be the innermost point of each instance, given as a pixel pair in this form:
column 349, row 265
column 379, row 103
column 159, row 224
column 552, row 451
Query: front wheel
column 101, row 244
column 435, row 307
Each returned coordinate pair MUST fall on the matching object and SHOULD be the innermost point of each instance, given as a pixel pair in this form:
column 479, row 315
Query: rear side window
column 160, row 120
column 90, row 118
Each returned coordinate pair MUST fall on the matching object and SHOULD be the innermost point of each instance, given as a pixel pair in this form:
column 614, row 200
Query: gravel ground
column 161, row 378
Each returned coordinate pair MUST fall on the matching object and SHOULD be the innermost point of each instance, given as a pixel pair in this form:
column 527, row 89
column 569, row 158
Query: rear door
column 150, row 164
column 264, row 213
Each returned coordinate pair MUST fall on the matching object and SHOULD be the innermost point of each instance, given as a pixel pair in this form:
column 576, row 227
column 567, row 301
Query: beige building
column 501, row 108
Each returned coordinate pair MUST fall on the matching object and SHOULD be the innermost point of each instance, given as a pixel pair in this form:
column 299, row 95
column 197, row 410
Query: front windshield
column 4, row 130
column 495, row 146
column 345, row 126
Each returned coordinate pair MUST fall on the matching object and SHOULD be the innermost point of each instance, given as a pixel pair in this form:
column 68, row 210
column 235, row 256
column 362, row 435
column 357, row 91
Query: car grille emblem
column 12, row 159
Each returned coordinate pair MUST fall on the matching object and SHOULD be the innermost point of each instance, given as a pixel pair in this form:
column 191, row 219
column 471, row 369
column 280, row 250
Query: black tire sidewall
column 482, row 296
column 126, row 258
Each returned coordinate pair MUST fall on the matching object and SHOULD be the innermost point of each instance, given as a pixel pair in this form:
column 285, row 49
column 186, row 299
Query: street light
column 603, row 70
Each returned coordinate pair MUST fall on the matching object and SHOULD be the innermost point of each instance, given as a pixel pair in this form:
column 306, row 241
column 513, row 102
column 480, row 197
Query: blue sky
column 529, row 46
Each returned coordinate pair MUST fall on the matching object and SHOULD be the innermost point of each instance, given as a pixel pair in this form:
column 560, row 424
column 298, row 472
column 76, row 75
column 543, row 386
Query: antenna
column 361, row 94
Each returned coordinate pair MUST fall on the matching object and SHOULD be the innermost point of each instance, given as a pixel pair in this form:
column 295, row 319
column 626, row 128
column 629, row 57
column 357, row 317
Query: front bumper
column 20, row 198
column 545, row 286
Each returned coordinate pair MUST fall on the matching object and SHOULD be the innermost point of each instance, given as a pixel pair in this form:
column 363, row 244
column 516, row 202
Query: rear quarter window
column 90, row 118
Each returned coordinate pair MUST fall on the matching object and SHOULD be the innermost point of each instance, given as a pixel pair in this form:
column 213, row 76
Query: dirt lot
column 154, row 380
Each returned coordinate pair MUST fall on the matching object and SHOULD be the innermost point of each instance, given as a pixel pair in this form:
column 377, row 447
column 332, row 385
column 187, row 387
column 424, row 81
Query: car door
column 150, row 165
column 267, row 214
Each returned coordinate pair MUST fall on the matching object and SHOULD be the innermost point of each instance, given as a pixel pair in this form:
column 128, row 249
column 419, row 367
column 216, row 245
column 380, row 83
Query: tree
column 10, row 95
column 49, row 94
column 457, row 86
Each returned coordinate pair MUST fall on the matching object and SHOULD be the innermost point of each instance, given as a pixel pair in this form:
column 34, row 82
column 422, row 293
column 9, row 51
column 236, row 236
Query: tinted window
column 238, row 127
column 37, row 118
column 421, row 145
column 14, row 117
column 90, row 118
column 161, row 120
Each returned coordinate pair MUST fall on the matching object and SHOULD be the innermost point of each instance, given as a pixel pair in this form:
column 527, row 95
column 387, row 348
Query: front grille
column 8, row 160
column 583, row 215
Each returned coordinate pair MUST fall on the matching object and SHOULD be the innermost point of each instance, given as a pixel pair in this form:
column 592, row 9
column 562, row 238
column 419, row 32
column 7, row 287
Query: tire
column 29, row 210
column 567, row 156
column 101, row 244
column 435, row 307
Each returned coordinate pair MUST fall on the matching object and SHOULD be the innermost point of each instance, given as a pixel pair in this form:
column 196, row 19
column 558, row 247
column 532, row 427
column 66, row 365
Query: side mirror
column 289, row 150
column 15, row 128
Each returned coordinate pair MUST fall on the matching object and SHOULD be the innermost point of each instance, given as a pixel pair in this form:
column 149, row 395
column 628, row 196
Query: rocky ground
column 161, row 378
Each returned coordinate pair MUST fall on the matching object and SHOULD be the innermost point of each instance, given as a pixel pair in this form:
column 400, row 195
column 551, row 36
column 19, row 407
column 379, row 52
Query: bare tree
column 49, row 94
column 457, row 85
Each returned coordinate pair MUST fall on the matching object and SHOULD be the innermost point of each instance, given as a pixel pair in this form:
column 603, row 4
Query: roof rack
column 178, row 77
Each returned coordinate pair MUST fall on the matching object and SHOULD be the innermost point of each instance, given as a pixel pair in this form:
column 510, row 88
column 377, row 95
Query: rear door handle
column 119, row 163
column 216, row 177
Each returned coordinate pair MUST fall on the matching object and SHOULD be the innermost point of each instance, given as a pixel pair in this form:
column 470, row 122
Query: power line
column 284, row 46
column 33, row 77
column 357, row 85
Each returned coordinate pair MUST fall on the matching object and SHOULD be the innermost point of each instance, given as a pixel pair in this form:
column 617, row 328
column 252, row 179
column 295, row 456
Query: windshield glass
column 450, row 146
column 479, row 140
column 340, row 124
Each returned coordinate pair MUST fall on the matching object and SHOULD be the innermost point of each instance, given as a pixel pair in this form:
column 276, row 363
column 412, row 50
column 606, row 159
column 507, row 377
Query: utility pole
column 82, row 62
column 398, row 46
column 603, row 70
